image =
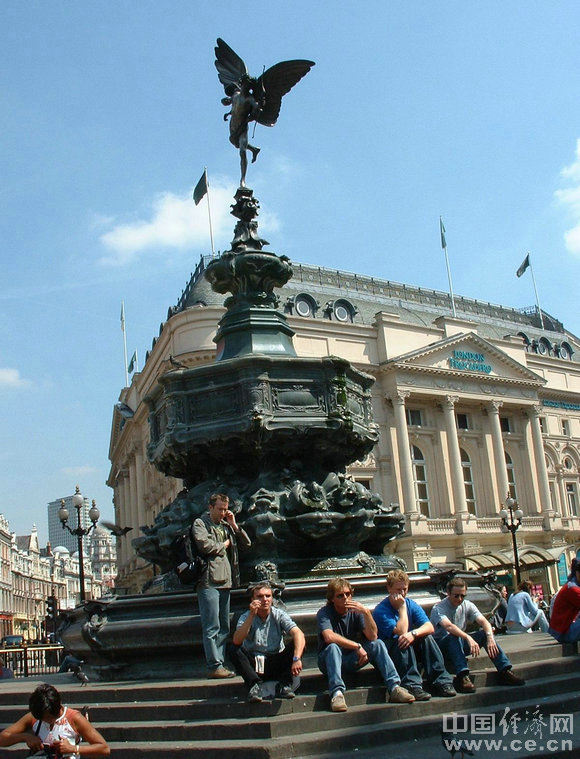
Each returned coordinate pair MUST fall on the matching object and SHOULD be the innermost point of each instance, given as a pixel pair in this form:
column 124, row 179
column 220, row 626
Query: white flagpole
column 124, row 342
column 536, row 292
column 209, row 213
column 444, row 240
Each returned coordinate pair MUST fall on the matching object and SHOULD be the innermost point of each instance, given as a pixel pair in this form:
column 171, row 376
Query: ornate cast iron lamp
column 511, row 518
column 79, row 530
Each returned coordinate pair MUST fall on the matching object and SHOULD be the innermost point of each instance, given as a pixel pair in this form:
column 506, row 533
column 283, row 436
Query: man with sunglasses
column 450, row 618
column 347, row 640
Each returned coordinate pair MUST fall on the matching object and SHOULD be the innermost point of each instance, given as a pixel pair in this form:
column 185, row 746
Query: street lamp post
column 79, row 530
column 511, row 518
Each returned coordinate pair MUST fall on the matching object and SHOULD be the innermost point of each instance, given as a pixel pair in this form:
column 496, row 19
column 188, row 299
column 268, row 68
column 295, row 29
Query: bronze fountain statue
column 253, row 99
column 274, row 430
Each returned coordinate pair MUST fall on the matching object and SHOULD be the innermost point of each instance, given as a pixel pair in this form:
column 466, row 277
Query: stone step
column 167, row 719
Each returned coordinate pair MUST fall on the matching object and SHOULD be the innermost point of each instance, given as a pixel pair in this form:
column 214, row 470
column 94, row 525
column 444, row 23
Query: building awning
column 530, row 557
column 491, row 560
column 557, row 552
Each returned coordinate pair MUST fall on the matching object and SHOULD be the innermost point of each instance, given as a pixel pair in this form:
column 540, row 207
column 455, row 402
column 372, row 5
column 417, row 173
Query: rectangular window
column 565, row 427
column 462, row 421
column 414, row 417
column 572, row 497
column 505, row 424
column 543, row 427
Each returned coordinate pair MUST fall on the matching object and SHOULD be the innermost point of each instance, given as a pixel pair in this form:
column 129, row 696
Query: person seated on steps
column 450, row 618
column 565, row 614
column 53, row 729
column 347, row 640
column 408, row 635
column 258, row 652
column 522, row 613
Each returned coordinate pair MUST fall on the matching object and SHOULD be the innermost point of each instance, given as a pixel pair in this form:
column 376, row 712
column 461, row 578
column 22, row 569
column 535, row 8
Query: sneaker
column 507, row 677
column 463, row 684
column 420, row 694
column 255, row 694
column 284, row 691
column 220, row 673
column 400, row 695
column 444, row 691
column 338, row 703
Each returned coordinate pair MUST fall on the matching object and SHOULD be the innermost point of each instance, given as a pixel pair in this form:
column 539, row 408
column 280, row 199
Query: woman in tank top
column 54, row 728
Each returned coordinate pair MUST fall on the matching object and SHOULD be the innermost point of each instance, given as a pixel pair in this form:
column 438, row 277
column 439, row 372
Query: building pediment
column 465, row 355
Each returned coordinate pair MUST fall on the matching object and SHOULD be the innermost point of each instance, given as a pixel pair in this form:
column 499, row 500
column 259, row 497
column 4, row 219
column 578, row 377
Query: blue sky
column 111, row 109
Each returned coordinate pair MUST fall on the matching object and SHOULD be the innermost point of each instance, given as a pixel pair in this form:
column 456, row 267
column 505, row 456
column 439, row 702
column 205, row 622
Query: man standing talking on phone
column 217, row 536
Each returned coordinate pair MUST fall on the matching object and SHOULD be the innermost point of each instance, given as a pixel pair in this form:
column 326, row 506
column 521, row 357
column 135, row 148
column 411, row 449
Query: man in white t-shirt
column 450, row 618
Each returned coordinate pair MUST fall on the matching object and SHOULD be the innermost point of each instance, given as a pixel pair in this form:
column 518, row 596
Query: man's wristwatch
column 414, row 633
column 296, row 658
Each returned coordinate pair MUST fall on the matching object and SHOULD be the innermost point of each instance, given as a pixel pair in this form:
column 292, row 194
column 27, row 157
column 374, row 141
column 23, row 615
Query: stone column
column 458, row 485
column 498, row 449
column 540, row 457
column 403, row 447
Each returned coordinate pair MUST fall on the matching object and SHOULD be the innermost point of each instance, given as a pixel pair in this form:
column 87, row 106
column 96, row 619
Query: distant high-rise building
column 56, row 534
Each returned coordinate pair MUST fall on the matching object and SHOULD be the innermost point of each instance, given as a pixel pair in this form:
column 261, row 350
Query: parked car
column 12, row 641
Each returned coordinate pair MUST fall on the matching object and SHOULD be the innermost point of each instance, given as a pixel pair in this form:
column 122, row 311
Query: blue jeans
column 214, row 612
column 540, row 620
column 457, row 649
column 334, row 660
column 572, row 634
column 425, row 653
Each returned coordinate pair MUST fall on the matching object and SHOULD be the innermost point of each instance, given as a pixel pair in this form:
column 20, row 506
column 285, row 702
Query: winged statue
column 253, row 99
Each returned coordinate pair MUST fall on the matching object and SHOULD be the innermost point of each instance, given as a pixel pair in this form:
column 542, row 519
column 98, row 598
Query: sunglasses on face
column 346, row 594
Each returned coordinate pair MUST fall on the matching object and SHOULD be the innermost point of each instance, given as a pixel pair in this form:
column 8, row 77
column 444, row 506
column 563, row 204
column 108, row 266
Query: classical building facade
column 471, row 407
column 30, row 573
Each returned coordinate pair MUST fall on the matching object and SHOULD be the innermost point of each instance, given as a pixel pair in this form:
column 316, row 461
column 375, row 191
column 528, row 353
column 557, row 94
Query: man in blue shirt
column 450, row 618
column 347, row 640
column 259, row 653
column 408, row 635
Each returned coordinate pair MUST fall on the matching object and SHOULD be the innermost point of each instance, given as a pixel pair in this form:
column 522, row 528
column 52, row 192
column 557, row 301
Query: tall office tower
column 56, row 534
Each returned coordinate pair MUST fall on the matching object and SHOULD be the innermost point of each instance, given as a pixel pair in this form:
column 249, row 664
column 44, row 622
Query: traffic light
column 51, row 607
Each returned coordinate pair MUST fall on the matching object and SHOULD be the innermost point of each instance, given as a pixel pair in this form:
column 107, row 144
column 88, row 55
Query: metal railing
column 32, row 660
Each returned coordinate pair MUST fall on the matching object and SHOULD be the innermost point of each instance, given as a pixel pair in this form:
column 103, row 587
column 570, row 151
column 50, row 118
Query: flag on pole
column 524, row 266
column 200, row 188
column 133, row 363
column 442, row 230
column 122, row 316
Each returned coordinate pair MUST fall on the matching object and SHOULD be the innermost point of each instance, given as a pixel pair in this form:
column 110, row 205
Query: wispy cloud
column 79, row 471
column 12, row 378
column 569, row 197
column 174, row 222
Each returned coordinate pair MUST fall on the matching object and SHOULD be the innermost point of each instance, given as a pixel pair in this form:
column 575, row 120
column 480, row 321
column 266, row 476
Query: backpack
column 190, row 566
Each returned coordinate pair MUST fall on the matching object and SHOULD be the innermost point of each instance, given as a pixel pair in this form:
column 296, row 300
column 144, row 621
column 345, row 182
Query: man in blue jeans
column 408, row 635
column 217, row 536
column 450, row 618
column 347, row 640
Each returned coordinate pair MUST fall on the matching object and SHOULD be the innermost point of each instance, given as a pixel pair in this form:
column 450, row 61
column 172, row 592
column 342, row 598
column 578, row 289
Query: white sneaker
column 338, row 703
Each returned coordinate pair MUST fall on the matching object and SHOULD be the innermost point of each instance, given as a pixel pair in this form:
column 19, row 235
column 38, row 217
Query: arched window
column 468, row 482
column 509, row 465
column 420, row 477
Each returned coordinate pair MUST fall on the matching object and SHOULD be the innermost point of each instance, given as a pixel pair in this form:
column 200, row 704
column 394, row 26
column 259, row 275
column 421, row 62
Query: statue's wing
column 230, row 66
column 275, row 83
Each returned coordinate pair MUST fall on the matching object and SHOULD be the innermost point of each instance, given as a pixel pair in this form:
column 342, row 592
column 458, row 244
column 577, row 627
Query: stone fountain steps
column 191, row 718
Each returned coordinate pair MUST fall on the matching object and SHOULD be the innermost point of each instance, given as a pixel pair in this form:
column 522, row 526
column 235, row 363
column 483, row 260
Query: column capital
column 534, row 411
column 399, row 397
column 451, row 400
column 494, row 406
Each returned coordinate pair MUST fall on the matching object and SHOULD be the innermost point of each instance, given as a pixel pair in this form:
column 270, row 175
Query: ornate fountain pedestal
column 275, row 432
